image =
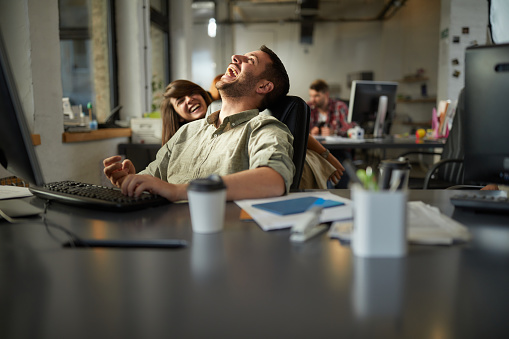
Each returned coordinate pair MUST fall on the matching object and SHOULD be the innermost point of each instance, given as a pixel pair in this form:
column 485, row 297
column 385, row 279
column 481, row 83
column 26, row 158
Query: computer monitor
column 366, row 108
column 486, row 120
column 17, row 153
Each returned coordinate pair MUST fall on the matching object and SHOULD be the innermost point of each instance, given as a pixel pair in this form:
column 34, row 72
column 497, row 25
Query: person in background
column 252, row 152
column 183, row 101
column 328, row 116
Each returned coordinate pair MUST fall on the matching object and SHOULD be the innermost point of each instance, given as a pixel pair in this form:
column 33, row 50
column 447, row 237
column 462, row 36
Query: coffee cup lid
column 211, row 183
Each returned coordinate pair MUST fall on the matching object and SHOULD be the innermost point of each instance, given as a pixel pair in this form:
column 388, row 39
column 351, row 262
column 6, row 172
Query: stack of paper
column 426, row 225
column 271, row 221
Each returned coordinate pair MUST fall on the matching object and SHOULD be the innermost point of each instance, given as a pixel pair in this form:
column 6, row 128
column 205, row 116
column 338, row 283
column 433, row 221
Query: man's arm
column 261, row 182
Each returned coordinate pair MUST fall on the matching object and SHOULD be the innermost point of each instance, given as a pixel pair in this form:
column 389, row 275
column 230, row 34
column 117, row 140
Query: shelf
column 100, row 134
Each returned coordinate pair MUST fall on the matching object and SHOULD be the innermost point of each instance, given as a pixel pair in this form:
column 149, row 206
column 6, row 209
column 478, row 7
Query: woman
column 183, row 101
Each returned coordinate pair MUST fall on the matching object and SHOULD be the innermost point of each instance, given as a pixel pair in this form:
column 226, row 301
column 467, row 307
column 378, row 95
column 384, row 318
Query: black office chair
column 448, row 172
column 294, row 113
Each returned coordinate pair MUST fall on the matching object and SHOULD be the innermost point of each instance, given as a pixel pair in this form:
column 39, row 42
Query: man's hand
column 326, row 131
column 135, row 185
column 315, row 131
column 116, row 171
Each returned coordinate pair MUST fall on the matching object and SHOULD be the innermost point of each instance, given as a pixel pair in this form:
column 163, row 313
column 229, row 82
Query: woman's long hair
column 177, row 89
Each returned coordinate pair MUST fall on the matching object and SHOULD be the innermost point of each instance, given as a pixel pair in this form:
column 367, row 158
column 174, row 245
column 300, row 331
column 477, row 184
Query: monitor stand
column 380, row 117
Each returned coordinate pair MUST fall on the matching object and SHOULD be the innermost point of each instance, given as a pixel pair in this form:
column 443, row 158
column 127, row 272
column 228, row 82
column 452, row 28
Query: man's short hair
column 319, row 85
column 275, row 73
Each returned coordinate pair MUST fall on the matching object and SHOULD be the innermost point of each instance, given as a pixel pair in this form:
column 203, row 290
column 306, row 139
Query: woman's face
column 190, row 107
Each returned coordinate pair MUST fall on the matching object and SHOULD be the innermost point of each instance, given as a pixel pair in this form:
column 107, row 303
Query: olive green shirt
column 244, row 141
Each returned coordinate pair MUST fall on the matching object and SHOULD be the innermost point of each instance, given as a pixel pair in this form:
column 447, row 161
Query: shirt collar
column 235, row 119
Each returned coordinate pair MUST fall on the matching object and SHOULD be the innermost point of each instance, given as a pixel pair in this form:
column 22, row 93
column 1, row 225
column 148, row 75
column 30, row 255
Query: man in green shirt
column 253, row 153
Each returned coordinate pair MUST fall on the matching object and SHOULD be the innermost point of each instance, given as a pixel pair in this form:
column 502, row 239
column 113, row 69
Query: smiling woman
column 183, row 101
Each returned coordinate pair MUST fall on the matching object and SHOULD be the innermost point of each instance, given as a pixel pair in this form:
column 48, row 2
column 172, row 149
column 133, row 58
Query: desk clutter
column 75, row 119
column 420, row 223
column 426, row 225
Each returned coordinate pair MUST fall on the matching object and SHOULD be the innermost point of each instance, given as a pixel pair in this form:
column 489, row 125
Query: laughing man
column 252, row 152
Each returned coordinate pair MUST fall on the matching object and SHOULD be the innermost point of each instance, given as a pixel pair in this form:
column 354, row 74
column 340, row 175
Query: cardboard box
column 146, row 131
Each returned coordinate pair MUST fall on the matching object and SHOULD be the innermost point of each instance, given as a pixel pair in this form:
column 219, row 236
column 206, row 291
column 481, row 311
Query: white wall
column 391, row 49
column 456, row 14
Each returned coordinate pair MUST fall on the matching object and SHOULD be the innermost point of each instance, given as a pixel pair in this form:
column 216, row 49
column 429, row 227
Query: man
column 252, row 152
column 328, row 116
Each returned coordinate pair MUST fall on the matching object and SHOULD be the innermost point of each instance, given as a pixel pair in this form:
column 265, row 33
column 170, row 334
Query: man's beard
column 239, row 88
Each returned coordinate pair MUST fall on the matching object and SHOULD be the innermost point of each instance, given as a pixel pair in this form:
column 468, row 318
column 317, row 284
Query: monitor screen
column 17, row 153
column 364, row 104
column 499, row 24
column 486, row 121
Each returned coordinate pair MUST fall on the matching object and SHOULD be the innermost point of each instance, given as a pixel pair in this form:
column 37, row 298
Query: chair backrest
column 295, row 114
column 453, row 148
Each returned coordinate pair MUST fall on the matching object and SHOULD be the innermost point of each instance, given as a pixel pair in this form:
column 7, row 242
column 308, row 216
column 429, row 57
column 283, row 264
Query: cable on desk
column 73, row 238
column 75, row 241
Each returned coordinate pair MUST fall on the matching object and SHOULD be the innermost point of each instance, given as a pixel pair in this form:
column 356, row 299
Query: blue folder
column 293, row 206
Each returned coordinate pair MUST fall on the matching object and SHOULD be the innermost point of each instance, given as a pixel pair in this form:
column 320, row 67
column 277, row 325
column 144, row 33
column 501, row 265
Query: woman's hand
column 336, row 176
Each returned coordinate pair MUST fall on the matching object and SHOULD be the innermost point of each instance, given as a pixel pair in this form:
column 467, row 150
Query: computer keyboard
column 96, row 197
column 480, row 202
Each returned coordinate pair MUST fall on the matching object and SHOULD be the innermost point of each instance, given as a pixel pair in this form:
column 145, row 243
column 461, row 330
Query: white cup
column 379, row 219
column 207, row 198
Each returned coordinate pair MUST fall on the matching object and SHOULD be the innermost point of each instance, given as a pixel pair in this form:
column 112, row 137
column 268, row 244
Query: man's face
column 318, row 99
column 243, row 74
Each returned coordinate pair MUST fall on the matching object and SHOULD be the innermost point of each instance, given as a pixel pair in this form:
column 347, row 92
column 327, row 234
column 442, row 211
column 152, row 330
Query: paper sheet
column 9, row 192
column 426, row 226
column 338, row 139
column 270, row 221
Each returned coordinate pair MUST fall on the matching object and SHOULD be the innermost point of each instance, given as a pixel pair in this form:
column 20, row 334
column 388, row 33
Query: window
column 88, row 60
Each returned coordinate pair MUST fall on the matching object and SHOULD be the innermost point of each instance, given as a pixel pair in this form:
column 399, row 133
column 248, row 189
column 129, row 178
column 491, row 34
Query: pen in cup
column 365, row 178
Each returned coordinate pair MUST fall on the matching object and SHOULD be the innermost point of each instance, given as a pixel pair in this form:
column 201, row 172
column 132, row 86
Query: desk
column 246, row 283
column 383, row 143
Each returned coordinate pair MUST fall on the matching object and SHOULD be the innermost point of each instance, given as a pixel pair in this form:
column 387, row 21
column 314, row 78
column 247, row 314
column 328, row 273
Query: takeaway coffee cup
column 207, row 198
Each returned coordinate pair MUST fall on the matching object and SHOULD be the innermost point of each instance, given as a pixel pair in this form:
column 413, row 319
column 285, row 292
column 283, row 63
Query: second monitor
column 372, row 105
